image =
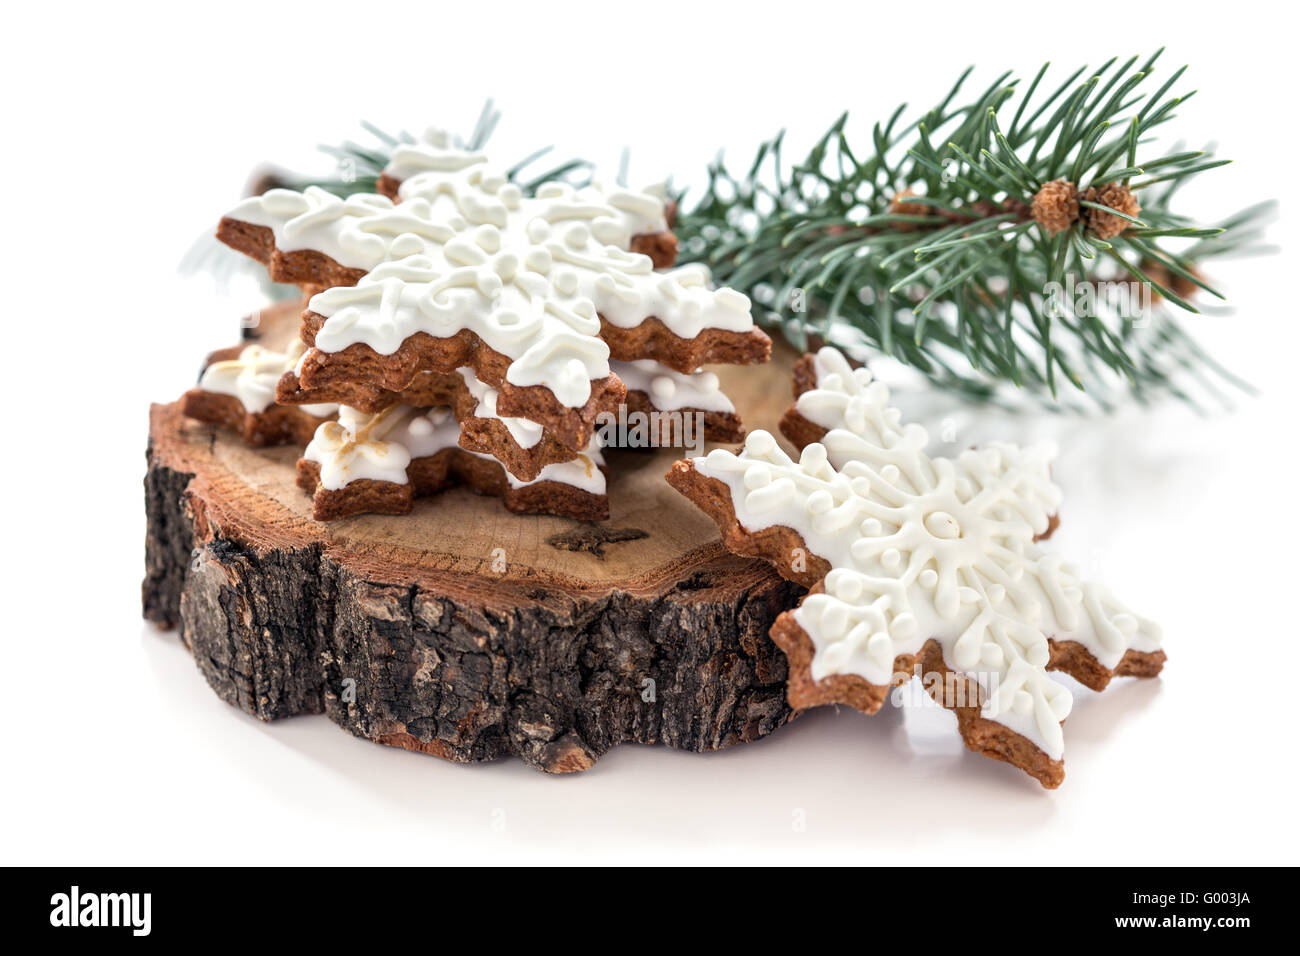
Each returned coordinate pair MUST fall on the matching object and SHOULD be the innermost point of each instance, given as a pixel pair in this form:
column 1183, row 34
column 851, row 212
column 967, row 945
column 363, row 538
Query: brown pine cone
column 1185, row 288
column 1116, row 196
column 1056, row 206
column 1180, row 286
column 899, row 206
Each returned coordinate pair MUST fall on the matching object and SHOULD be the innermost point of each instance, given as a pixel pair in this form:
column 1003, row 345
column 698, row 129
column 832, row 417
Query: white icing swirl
column 252, row 378
column 433, row 153
column 670, row 390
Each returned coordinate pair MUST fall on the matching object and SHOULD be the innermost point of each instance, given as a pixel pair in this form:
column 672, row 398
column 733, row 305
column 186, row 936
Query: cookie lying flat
column 647, row 213
column 468, row 271
column 381, row 463
column 237, row 390
column 675, row 400
column 522, row 446
column 921, row 561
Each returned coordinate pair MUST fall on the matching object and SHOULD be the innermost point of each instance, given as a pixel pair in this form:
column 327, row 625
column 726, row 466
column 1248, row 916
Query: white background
column 127, row 131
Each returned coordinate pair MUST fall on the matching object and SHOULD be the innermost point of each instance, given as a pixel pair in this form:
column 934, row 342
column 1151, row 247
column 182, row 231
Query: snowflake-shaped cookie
column 921, row 562
column 532, row 292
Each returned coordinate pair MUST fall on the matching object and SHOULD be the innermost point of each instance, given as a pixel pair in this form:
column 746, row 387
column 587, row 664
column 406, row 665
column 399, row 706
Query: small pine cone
column 1185, row 288
column 1180, row 286
column 263, row 180
column 1116, row 196
column 899, row 206
column 1056, row 206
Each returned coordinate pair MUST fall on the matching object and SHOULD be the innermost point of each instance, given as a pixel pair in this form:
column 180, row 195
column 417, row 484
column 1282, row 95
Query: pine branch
column 930, row 246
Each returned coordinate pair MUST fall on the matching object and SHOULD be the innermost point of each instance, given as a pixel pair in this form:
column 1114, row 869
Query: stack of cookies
column 459, row 331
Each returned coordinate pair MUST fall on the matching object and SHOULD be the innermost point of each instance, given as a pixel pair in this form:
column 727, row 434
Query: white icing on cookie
column 641, row 211
column 319, row 220
column 252, row 378
column 466, row 250
column 434, row 152
column 855, row 410
column 928, row 548
column 637, row 211
column 670, row 390
column 582, row 472
column 381, row 447
column 525, row 433
column 357, row 446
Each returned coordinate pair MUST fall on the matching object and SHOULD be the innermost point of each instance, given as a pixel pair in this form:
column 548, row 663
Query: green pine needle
column 958, row 281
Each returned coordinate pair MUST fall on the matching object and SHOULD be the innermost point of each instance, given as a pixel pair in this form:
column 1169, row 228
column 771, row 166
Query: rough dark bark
column 167, row 544
column 284, row 622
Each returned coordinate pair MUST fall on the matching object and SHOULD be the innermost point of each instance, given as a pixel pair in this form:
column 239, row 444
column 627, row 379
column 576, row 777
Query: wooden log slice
column 462, row 630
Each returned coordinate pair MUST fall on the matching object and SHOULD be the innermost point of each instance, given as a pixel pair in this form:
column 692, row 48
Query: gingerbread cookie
column 647, row 214
column 521, row 445
column 381, row 463
column 524, row 290
column 237, row 390
column 921, row 565
column 672, row 402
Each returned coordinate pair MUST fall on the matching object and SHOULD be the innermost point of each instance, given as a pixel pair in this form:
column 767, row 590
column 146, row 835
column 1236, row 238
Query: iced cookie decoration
column 237, row 389
column 919, row 565
column 644, row 214
column 534, row 293
column 381, row 463
column 687, row 398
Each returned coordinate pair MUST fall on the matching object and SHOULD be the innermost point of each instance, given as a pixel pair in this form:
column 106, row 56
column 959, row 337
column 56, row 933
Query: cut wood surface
column 462, row 630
